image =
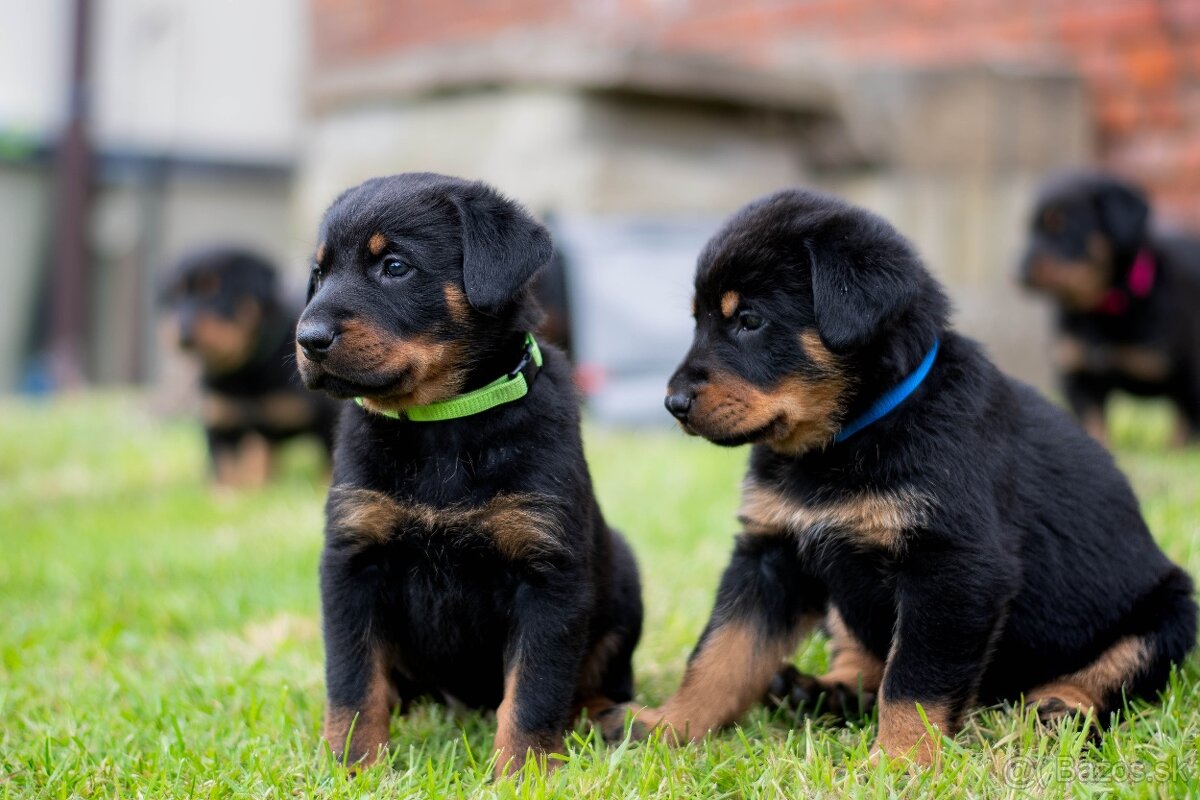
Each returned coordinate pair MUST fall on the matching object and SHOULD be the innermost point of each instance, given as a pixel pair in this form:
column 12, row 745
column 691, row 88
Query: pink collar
column 1139, row 283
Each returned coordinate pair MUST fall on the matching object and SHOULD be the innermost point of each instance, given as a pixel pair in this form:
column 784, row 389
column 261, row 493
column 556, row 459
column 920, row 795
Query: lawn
column 161, row 640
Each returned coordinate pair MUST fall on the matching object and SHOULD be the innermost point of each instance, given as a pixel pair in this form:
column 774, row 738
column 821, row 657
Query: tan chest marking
column 877, row 519
column 521, row 526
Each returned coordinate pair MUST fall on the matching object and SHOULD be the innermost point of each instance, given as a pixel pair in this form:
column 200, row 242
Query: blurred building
column 193, row 110
column 636, row 126
column 641, row 124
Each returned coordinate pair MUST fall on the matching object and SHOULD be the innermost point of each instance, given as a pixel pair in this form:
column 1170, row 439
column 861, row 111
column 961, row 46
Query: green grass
column 160, row 640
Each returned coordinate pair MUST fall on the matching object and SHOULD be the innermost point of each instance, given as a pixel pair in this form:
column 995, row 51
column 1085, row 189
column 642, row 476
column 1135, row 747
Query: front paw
column 807, row 695
column 1053, row 712
column 610, row 722
column 510, row 763
column 643, row 721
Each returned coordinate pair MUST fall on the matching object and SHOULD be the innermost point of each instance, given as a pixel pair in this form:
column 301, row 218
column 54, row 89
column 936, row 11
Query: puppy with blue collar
column 962, row 541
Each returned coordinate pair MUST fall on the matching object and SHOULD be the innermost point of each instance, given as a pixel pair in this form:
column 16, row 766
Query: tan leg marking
column 248, row 466
column 255, row 455
column 902, row 732
column 729, row 675
column 851, row 664
column 1094, row 425
column 1087, row 689
column 514, row 745
column 369, row 723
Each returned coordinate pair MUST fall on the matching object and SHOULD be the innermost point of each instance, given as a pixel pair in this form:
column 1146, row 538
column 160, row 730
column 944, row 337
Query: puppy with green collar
column 466, row 558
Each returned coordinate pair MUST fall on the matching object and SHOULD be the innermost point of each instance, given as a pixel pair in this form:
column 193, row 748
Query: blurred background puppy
column 230, row 316
column 1128, row 297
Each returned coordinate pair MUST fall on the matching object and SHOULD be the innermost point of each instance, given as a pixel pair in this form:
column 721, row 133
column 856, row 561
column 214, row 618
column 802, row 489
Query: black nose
column 678, row 404
column 315, row 339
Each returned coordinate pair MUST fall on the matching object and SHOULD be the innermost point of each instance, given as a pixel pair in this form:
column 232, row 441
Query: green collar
column 505, row 389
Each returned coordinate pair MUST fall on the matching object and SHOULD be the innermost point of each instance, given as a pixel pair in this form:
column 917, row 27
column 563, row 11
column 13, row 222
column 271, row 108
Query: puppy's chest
column 875, row 520
column 446, row 530
column 1144, row 362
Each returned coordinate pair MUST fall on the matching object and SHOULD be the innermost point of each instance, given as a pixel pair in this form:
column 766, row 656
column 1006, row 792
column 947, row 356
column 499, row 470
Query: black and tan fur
column 1086, row 233
column 972, row 546
column 229, row 314
column 465, row 560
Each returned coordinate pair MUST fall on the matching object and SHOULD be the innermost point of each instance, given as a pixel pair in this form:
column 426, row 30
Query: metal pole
column 69, row 281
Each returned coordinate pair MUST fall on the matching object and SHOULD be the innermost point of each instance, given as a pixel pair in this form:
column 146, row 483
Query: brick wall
column 1140, row 58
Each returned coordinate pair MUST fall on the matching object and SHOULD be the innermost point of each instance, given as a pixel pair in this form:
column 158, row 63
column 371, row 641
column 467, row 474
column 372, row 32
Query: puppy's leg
column 1187, row 400
column 606, row 678
column 357, row 673
column 766, row 602
column 847, row 689
column 255, row 455
column 1137, row 665
column 542, row 667
column 1087, row 395
column 951, row 605
column 1093, row 687
column 222, row 456
column 240, row 459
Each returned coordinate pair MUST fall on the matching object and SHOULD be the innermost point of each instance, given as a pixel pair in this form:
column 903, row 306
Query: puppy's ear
column 1125, row 213
column 857, row 291
column 503, row 247
column 257, row 276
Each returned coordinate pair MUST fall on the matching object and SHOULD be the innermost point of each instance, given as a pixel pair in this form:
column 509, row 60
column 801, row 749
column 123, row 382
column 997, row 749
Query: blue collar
column 887, row 404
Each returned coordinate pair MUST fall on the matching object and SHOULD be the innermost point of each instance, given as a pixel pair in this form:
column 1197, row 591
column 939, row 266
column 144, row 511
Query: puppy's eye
column 395, row 268
column 749, row 321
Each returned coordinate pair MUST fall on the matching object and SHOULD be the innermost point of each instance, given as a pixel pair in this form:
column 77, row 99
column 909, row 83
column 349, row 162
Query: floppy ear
column 257, row 277
column 503, row 248
column 856, row 293
column 1125, row 213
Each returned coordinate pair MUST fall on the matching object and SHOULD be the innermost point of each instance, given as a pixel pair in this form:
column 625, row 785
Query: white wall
column 215, row 77
column 34, row 41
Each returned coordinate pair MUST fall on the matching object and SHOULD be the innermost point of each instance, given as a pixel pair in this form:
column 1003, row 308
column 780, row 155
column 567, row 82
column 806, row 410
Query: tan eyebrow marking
column 321, row 253
column 729, row 304
column 377, row 244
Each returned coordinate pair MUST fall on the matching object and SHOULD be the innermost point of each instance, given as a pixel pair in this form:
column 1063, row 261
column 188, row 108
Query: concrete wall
column 1139, row 59
column 951, row 158
column 24, row 200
